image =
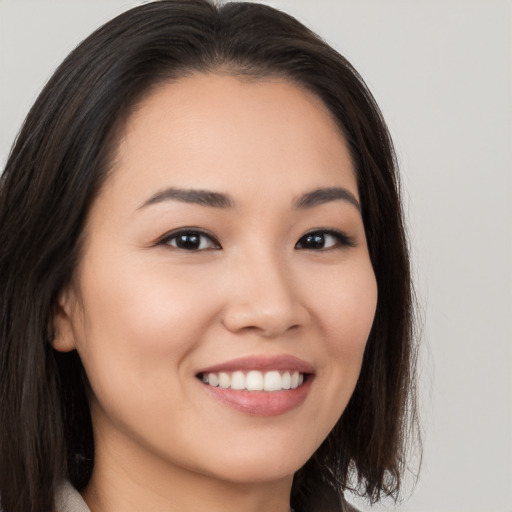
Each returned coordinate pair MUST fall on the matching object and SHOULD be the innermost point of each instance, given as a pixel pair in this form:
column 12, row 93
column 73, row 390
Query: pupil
column 188, row 241
column 315, row 241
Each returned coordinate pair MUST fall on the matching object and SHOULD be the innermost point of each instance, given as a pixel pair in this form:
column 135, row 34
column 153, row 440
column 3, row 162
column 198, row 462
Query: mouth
column 261, row 386
column 255, row 380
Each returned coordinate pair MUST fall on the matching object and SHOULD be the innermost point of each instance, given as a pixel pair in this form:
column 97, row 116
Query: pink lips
column 261, row 403
column 262, row 363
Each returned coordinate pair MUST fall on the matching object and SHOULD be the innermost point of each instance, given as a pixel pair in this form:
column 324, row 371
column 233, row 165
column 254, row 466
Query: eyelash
column 190, row 232
column 341, row 239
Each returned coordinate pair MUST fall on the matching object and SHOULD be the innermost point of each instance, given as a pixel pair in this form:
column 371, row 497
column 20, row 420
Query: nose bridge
column 265, row 297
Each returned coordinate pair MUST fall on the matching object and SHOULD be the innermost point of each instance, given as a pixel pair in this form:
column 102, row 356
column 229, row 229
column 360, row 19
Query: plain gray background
column 442, row 74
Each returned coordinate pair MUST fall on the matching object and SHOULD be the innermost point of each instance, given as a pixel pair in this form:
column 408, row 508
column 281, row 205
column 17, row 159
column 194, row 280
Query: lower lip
column 261, row 403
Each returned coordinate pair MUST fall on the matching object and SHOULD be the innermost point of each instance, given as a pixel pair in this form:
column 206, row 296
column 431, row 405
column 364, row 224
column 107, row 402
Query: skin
column 146, row 315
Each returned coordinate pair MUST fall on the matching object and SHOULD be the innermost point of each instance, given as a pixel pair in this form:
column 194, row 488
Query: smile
column 259, row 385
column 254, row 380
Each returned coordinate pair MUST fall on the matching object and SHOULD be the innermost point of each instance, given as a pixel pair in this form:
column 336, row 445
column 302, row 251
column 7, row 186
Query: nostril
column 265, row 320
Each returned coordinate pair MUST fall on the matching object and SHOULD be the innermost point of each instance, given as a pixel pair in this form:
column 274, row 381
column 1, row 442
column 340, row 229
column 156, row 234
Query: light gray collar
column 68, row 499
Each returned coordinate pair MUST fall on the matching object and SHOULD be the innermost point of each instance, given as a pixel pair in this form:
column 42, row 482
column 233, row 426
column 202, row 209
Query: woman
column 205, row 295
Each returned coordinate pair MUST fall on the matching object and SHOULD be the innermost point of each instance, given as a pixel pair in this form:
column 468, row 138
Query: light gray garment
column 68, row 499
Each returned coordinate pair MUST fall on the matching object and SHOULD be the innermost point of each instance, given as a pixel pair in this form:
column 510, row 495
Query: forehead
column 212, row 131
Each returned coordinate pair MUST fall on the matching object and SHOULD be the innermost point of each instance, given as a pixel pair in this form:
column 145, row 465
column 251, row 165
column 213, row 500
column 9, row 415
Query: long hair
column 53, row 174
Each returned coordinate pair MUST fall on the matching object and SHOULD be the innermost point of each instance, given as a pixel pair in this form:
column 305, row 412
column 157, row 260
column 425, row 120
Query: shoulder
column 347, row 507
column 68, row 499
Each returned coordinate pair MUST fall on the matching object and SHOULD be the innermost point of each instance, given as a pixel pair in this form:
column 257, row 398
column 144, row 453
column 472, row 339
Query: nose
column 264, row 298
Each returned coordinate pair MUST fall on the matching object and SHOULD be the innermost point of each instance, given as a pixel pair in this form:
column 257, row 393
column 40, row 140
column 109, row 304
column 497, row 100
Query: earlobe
column 62, row 335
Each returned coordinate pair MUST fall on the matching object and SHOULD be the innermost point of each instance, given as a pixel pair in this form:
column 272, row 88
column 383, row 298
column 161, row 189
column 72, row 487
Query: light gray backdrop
column 442, row 73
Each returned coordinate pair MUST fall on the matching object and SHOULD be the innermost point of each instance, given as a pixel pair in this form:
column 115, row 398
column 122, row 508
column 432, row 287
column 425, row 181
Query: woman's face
column 226, row 250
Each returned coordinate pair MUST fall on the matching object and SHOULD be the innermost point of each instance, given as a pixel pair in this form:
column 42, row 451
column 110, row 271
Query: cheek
column 345, row 309
column 140, row 320
column 347, row 306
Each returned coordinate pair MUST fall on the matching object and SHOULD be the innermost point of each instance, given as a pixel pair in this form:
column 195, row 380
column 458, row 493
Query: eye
column 190, row 240
column 324, row 239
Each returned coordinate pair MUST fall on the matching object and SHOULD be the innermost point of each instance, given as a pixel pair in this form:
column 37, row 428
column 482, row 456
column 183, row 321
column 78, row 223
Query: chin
column 260, row 465
column 250, row 472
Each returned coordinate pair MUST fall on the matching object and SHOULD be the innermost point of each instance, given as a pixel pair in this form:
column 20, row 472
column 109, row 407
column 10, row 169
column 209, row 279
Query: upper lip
column 282, row 362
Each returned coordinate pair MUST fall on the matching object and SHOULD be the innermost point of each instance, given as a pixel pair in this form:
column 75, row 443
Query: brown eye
column 324, row 239
column 191, row 240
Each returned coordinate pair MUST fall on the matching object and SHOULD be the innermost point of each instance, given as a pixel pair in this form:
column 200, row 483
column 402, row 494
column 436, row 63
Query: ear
column 63, row 321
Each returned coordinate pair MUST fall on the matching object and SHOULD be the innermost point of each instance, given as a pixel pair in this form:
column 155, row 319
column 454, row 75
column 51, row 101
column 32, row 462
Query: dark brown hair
column 56, row 168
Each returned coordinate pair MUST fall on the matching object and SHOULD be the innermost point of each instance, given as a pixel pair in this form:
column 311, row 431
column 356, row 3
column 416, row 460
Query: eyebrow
column 326, row 195
column 211, row 199
column 195, row 196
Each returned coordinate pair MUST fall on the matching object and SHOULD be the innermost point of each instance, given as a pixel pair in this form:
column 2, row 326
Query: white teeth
column 272, row 381
column 287, row 380
column 238, row 380
column 255, row 380
column 224, row 380
column 294, row 380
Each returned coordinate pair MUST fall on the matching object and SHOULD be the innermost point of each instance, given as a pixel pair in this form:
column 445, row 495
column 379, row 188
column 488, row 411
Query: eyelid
column 344, row 240
column 164, row 240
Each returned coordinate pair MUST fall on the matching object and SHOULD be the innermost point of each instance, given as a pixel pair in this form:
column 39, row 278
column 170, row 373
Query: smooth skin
column 148, row 308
